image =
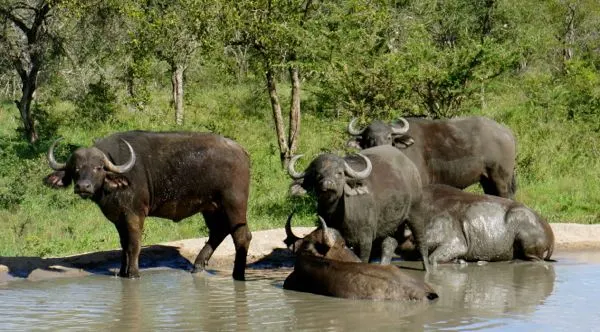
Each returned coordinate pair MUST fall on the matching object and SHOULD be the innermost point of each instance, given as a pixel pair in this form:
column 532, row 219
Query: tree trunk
column 28, row 82
column 277, row 117
column 177, row 82
column 294, row 129
column 569, row 38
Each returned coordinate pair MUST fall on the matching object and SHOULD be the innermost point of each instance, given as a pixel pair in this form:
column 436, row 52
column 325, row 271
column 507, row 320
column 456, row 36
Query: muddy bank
column 266, row 251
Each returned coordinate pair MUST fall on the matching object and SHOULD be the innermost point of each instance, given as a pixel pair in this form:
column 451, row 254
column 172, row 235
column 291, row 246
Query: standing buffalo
column 172, row 175
column 367, row 205
column 324, row 265
column 458, row 225
column 457, row 152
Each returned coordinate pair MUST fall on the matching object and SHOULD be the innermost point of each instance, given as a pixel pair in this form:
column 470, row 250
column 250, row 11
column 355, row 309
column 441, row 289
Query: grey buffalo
column 366, row 201
column 458, row 225
column 457, row 152
column 172, row 175
column 324, row 265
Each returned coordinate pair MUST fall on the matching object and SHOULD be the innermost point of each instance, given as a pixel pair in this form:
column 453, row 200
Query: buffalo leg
column 130, row 234
column 241, row 239
column 364, row 250
column 448, row 252
column 388, row 247
column 216, row 235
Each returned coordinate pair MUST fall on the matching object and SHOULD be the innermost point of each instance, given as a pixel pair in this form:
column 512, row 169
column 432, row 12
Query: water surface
column 503, row 296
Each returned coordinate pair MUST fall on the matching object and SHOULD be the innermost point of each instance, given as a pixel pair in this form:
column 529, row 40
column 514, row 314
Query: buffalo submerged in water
column 173, row 175
column 325, row 266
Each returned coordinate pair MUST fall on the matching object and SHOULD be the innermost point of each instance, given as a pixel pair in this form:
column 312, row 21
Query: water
column 499, row 296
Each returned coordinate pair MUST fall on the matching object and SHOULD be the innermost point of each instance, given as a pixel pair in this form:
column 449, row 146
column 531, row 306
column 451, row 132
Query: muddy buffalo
column 172, row 175
column 324, row 265
column 457, row 152
column 367, row 203
column 458, row 225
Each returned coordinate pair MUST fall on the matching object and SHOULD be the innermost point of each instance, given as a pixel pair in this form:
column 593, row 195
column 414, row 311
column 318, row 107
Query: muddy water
column 500, row 296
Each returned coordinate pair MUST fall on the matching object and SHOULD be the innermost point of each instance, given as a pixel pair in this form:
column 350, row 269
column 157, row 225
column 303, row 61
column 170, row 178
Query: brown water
column 502, row 296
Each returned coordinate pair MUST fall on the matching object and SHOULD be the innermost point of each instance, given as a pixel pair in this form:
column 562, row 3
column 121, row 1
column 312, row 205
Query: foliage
column 380, row 59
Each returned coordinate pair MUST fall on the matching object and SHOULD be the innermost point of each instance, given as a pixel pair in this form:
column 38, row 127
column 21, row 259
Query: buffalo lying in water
column 136, row 174
column 366, row 206
column 457, row 152
column 458, row 225
column 324, row 265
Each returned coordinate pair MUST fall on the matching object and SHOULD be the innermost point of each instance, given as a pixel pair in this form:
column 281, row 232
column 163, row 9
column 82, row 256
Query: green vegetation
column 122, row 66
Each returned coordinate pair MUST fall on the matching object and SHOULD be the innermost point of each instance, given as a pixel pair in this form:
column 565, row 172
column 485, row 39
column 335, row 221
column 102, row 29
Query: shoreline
column 267, row 250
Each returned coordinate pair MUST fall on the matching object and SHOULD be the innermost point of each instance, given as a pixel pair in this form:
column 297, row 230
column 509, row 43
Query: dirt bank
column 266, row 250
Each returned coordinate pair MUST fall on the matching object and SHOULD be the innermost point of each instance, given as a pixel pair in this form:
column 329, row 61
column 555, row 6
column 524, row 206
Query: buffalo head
column 323, row 242
column 90, row 170
column 327, row 176
column 380, row 133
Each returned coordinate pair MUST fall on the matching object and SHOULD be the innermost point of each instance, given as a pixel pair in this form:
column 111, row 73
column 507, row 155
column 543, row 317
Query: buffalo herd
column 403, row 186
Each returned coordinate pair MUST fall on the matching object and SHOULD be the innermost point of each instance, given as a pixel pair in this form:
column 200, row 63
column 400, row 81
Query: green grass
column 558, row 167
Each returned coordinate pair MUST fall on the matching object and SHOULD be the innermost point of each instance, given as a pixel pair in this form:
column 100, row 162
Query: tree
column 275, row 31
column 174, row 32
column 27, row 39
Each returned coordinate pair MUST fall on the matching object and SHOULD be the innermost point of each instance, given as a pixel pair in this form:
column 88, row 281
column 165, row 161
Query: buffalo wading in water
column 324, row 265
column 458, row 225
column 366, row 197
column 172, row 175
column 457, row 152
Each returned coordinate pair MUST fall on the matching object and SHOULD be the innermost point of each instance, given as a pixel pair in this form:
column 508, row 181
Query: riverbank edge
column 266, row 250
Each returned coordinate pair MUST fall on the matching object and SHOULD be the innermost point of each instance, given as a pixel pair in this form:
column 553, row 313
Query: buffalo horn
column 52, row 161
column 403, row 129
column 290, row 236
column 121, row 168
column 327, row 239
column 292, row 171
column 352, row 130
column 362, row 174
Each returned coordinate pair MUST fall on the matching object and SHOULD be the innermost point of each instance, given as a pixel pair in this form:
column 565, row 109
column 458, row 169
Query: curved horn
column 292, row 171
column 352, row 130
column 52, row 161
column 327, row 238
column 291, row 238
column 362, row 174
column 121, row 168
column 402, row 129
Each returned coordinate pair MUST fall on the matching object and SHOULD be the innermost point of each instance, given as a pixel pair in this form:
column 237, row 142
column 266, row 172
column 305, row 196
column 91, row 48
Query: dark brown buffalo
column 172, row 175
column 367, row 203
column 457, row 152
column 458, row 225
column 324, row 265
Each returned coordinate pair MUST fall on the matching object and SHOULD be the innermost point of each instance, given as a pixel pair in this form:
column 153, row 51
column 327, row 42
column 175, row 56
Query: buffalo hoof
column 129, row 275
column 239, row 276
column 198, row 269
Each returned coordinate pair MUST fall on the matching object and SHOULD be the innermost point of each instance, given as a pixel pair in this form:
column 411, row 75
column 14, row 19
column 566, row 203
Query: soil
column 266, row 251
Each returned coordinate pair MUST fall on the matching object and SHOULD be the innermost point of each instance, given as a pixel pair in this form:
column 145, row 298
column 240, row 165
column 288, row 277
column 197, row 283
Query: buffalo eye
column 98, row 168
column 339, row 174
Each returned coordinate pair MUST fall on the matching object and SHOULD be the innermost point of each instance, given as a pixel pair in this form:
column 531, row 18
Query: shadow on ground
column 102, row 262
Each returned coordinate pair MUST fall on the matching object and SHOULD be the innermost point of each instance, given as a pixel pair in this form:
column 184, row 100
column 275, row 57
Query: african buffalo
column 458, row 152
column 365, row 205
column 173, row 175
column 324, row 265
column 458, row 225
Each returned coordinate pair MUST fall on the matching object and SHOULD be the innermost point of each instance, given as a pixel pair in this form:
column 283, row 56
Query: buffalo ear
column 354, row 142
column 113, row 181
column 297, row 188
column 58, row 179
column 402, row 141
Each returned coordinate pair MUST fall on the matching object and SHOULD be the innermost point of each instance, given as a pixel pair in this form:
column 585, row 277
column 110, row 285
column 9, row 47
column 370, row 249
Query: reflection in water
column 493, row 290
column 503, row 295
